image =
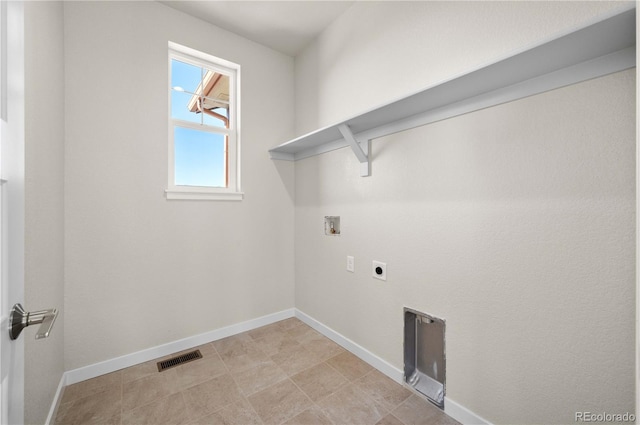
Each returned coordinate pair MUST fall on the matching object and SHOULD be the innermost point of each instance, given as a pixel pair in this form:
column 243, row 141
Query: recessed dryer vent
column 424, row 355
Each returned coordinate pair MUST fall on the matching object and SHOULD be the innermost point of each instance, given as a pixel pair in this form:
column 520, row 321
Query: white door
column 11, row 206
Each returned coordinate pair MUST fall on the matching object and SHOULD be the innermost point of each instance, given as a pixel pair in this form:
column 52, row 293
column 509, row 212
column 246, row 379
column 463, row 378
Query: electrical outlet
column 379, row 270
column 350, row 264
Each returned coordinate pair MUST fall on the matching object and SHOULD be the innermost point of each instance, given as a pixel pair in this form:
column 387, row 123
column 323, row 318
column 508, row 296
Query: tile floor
column 283, row 373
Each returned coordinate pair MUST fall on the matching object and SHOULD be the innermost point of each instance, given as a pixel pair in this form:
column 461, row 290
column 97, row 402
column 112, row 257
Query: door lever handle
column 20, row 319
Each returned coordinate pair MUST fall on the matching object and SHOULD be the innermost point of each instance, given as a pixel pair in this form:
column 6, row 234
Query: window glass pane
column 216, row 97
column 213, row 120
column 184, row 106
column 184, row 76
column 199, row 158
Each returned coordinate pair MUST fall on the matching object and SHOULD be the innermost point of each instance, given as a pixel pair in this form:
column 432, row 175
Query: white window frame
column 233, row 190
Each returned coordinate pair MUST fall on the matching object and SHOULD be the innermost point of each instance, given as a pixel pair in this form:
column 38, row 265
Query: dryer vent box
column 424, row 355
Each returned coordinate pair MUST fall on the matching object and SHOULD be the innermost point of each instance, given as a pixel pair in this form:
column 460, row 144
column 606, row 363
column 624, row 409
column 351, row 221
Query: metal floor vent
column 178, row 360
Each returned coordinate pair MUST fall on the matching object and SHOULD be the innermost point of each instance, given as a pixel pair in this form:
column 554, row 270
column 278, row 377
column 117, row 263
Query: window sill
column 194, row 195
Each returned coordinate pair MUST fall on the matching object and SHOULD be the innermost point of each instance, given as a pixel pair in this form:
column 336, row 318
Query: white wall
column 140, row 270
column 44, row 200
column 380, row 51
column 514, row 223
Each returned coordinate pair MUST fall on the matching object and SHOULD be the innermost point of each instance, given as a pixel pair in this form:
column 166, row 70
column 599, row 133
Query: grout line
column 108, row 366
column 235, row 382
column 355, row 383
column 308, row 398
column 340, row 373
column 186, row 407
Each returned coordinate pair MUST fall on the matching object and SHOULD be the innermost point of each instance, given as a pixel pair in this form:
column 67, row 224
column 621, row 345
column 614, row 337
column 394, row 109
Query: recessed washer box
column 424, row 355
column 332, row 225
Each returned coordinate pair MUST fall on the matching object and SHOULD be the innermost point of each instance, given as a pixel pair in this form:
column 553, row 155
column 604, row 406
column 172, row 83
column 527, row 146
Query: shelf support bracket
column 361, row 150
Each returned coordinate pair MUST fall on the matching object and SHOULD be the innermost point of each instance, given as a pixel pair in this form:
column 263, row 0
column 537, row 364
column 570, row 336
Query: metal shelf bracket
column 361, row 150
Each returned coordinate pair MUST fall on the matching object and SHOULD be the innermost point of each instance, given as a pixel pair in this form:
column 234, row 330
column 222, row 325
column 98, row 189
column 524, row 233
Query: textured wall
column 515, row 224
column 44, row 200
column 140, row 270
column 381, row 51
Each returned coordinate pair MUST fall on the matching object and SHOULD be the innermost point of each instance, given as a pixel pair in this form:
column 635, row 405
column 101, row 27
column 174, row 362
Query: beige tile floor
column 283, row 373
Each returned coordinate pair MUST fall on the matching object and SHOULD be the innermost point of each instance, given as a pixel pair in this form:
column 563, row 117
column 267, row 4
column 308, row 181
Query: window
column 204, row 143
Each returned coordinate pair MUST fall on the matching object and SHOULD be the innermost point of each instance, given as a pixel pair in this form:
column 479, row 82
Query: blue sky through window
column 184, row 75
column 199, row 156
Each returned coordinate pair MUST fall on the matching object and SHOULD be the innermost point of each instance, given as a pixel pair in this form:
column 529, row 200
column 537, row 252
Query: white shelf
column 598, row 49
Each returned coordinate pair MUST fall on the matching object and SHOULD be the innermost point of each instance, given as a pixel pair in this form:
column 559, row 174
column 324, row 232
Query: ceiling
column 286, row 26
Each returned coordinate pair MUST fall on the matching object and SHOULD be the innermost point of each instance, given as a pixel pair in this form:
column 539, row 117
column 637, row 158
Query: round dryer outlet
column 379, row 270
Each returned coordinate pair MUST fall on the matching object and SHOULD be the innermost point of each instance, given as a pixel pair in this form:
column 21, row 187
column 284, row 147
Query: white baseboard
column 366, row 355
column 453, row 409
column 462, row 414
column 112, row 365
column 57, row 398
